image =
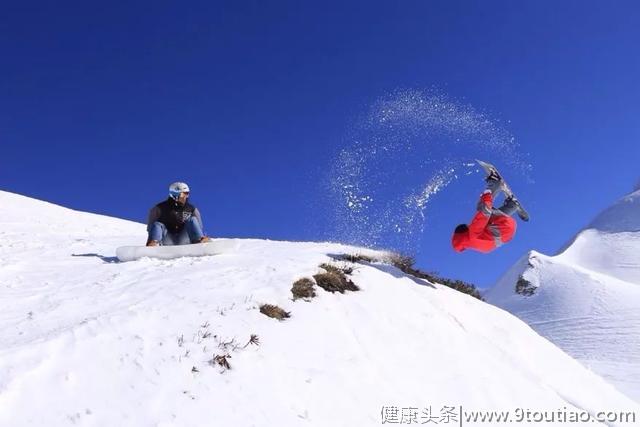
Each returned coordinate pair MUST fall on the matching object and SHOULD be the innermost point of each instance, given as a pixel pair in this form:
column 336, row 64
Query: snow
column 86, row 340
column 588, row 297
column 620, row 217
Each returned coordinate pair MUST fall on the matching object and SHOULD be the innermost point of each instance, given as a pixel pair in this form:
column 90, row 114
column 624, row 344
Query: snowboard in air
column 489, row 169
column 214, row 247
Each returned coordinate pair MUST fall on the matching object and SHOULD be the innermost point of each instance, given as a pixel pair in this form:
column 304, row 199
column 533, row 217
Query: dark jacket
column 173, row 215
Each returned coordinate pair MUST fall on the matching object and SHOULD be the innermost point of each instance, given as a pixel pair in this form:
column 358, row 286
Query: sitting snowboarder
column 175, row 221
column 490, row 228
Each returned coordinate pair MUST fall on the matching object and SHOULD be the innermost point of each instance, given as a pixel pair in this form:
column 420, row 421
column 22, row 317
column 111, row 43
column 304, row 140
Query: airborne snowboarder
column 175, row 221
column 490, row 228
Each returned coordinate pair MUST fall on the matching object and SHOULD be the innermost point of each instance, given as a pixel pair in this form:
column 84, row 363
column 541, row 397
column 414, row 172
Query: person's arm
column 154, row 215
column 481, row 218
column 196, row 213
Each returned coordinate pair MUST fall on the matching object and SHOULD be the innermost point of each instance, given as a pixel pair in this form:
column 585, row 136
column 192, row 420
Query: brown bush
column 303, row 288
column 335, row 281
column 274, row 311
column 355, row 258
column 338, row 269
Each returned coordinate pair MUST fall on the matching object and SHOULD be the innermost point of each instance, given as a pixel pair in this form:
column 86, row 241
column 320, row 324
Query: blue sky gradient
column 102, row 106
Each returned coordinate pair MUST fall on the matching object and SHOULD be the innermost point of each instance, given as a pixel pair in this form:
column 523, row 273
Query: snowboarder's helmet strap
column 176, row 189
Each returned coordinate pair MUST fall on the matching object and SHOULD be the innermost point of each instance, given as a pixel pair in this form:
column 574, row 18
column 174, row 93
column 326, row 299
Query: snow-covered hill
column 587, row 299
column 86, row 340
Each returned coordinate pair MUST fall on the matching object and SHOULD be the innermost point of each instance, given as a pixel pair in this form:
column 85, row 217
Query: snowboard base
column 488, row 168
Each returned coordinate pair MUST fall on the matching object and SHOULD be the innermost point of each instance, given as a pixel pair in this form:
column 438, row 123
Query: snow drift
column 85, row 340
column 587, row 299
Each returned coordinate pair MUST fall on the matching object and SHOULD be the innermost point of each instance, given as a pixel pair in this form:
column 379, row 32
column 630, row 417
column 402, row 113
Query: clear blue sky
column 103, row 105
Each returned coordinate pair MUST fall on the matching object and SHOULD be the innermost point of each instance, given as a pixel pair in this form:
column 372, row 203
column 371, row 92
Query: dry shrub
column 221, row 360
column 274, row 312
column 355, row 258
column 338, row 269
column 335, row 281
column 303, row 288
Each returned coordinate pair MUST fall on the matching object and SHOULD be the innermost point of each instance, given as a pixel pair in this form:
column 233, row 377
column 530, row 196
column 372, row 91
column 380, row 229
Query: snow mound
column 86, row 340
column 623, row 216
column 586, row 299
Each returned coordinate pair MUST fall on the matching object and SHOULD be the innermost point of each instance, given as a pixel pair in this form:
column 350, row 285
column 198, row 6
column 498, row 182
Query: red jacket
column 490, row 228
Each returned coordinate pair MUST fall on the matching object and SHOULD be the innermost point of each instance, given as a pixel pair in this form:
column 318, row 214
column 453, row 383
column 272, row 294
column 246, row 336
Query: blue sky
column 102, row 106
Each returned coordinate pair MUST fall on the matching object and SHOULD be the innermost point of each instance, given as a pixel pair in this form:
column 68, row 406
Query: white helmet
column 177, row 188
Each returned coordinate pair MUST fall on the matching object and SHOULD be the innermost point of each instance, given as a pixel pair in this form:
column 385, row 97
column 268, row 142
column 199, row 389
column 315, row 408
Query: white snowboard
column 215, row 247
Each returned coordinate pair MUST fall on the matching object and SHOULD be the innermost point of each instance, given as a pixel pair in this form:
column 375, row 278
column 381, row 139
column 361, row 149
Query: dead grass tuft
column 221, row 360
column 335, row 281
column 303, row 288
column 338, row 269
column 274, row 312
column 355, row 258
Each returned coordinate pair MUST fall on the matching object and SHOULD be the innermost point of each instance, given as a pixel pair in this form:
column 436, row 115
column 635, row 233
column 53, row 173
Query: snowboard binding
column 495, row 182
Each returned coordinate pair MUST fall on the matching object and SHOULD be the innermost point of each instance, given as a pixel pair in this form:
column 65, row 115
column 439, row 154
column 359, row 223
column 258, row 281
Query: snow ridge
column 586, row 299
column 86, row 340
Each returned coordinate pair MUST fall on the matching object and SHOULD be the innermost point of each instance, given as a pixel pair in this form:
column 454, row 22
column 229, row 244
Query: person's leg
column 171, row 239
column 182, row 238
column 508, row 207
column 193, row 229
column 157, row 231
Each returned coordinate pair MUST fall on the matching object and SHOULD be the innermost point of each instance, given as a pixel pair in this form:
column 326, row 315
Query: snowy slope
column 587, row 299
column 85, row 340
